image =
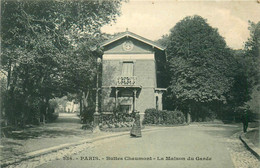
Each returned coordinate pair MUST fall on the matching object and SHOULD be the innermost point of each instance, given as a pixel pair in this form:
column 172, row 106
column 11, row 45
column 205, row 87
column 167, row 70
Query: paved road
column 178, row 143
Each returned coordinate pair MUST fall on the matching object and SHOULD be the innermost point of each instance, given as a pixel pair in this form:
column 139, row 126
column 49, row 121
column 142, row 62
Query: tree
column 40, row 47
column 252, row 58
column 199, row 66
column 252, row 53
column 243, row 96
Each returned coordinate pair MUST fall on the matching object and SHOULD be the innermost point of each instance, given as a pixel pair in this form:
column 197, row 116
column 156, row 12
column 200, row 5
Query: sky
column 154, row 18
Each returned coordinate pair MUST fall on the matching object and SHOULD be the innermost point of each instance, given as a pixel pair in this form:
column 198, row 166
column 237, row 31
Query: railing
column 126, row 80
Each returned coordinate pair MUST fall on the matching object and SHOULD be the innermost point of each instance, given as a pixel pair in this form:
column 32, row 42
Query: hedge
column 153, row 116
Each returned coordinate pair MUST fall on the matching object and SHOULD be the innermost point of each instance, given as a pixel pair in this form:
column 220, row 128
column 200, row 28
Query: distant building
column 133, row 70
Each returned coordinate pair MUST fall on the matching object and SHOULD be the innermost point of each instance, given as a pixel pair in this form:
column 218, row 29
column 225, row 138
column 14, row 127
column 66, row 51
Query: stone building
column 133, row 70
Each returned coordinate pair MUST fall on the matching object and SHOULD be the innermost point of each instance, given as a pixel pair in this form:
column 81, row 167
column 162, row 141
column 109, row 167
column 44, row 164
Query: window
column 127, row 69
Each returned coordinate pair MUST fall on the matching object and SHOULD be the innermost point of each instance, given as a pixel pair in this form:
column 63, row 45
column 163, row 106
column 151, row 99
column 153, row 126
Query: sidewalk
column 250, row 142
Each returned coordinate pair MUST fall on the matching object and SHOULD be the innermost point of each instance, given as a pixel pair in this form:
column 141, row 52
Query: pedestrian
column 136, row 129
column 245, row 121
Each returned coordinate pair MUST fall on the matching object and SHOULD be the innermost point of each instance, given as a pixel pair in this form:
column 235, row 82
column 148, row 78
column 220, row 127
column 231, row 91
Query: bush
column 116, row 120
column 52, row 116
column 153, row 116
column 87, row 114
column 150, row 116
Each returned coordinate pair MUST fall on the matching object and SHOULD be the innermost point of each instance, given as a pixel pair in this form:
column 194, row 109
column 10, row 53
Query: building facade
column 133, row 70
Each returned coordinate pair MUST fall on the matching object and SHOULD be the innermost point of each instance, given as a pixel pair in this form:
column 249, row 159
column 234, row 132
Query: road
column 66, row 121
column 185, row 146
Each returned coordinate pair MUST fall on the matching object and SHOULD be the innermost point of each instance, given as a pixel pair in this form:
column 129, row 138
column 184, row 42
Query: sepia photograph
column 130, row 83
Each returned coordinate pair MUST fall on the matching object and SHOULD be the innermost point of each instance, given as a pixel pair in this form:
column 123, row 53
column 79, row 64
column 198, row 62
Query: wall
column 142, row 56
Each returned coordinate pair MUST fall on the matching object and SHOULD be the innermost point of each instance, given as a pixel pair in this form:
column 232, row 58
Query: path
column 178, row 143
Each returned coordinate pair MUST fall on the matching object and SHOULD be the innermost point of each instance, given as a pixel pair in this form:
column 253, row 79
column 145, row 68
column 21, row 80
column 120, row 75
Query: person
column 136, row 128
column 245, row 121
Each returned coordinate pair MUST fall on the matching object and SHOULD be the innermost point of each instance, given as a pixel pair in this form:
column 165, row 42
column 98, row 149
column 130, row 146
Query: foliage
column 117, row 118
column 48, row 51
column 252, row 54
column 254, row 105
column 163, row 40
column 52, row 116
column 238, row 113
column 87, row 115
column 245, row 90
column 153, row 116
column 206, row 76
column 240, row 91
column 199, row 63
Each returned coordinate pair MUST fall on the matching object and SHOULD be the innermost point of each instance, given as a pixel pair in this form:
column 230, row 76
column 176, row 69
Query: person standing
column 245, row 121
column 136, row 129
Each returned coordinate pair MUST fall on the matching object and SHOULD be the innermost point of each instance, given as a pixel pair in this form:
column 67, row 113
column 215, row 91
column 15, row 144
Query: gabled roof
column 135, row 36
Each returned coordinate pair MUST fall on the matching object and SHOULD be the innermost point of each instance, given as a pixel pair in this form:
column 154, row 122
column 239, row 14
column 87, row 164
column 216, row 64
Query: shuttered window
column 127, row 69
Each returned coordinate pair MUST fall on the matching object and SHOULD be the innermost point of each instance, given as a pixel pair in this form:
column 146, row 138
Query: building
column 133, row 70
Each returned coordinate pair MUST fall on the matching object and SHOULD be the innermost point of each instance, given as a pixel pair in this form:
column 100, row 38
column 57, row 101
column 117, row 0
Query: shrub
column 150, row 116
column 87, row 114
column 153, row 116
column 116, row 120
column 52, row 117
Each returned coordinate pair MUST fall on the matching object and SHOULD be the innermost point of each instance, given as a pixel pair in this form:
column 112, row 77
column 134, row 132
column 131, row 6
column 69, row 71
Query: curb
column 249, row 145
column 34, row 154
column 167, row 126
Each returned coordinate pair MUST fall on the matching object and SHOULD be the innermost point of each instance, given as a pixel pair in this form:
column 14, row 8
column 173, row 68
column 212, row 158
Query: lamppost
column 96, row 114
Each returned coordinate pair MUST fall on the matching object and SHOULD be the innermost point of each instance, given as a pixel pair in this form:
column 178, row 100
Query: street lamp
column 96, row 114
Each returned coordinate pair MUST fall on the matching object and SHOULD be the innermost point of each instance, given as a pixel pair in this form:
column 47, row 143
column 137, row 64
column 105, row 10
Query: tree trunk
column 9, row 74
column 188, row 115
column 85, row 99
column 43, row 119
column 80, row 106
column 46, row 108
